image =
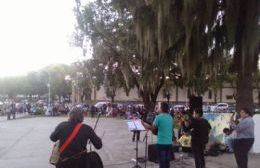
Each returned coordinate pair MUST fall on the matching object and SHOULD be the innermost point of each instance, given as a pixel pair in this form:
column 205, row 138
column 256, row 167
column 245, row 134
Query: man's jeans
column 164, row 152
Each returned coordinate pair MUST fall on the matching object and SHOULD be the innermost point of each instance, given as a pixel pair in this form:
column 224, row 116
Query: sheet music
column 139, row 125
column 135, row 125
column 131, row 125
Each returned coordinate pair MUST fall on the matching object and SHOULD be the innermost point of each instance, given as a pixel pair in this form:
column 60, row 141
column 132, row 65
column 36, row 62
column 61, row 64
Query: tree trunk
column 177, row 94
column 258, row 98
column 149, row 99
column 112, row 98
column 245, row 68
column 168, row 98
column 220, row 94
column 258, row 93
column 59, row 98
column 149, row 96
column 149, row 104
column 215, row 96
column 82, row 98
column 69, row 97
column 245, row 91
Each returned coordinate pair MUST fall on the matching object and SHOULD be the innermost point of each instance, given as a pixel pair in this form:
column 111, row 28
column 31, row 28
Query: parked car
column 100, row 104
column 257, row 110
column 221, row 107
column 231, row 109
column 213, row 108
column 180, row 107
column 206, row 108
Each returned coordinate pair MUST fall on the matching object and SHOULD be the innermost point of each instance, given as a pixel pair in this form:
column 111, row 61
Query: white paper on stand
column 139, row 125
column 131, row 125
column 135, row 125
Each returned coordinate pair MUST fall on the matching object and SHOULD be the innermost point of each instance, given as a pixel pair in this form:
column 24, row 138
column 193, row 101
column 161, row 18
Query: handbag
column 57, row 150
column 55, row 154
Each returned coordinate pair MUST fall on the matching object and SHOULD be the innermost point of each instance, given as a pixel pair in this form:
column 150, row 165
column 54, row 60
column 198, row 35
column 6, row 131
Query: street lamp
column 94, row 87
column 49, row 98
column 79, row 76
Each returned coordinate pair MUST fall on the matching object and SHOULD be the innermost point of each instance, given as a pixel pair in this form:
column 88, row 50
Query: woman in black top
column 79, row 143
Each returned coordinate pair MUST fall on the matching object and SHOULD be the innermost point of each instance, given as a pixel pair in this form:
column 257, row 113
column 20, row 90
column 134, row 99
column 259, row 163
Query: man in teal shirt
column 164, row 124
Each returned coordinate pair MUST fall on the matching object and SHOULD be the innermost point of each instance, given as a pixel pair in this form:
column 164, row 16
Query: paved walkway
column 24, row 143
column 17, row 116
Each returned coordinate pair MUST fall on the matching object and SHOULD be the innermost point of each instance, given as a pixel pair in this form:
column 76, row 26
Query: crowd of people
column 184, row 128
column 194, row 135
column 11, row 107
column 187, row 129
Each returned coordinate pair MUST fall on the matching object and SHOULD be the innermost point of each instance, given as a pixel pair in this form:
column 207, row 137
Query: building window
column 229, row 97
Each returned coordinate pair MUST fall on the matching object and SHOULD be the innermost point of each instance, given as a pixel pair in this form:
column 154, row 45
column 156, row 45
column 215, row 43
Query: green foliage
column 114, row 42
column 35, row 83
column 13, row 85
column 147, row 38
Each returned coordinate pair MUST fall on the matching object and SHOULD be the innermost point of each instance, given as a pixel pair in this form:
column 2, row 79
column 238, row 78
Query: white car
column 100, row 104
column 221, row 106
column 180, row 108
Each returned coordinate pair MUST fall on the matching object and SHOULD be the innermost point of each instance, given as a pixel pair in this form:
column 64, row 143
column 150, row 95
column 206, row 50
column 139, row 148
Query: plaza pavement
column 24, row 143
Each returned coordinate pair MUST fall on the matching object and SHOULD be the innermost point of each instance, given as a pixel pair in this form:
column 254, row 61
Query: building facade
column 178, row 95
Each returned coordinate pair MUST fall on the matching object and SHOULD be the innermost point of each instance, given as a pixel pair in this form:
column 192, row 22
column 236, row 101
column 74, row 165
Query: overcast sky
column 35, row 33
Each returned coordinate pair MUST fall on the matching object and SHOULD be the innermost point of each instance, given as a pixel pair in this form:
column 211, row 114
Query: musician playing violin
column 164, row 124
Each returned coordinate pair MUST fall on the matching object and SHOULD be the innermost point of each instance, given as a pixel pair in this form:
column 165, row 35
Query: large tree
column 242, row 24
column 196, row 35
column 113, row 39
column 201, row 33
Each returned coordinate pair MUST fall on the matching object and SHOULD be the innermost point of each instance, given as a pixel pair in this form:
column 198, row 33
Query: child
column 228, row 139
column 185, row 141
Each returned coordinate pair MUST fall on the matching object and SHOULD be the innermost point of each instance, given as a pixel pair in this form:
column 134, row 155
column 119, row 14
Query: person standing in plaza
column 164, row 124
column 8, row 111
column 136, row 134
column 200, row 129
column 109, row 110
column 93, row 111
column 245, row 137
column 13, row 109
column 78, row 144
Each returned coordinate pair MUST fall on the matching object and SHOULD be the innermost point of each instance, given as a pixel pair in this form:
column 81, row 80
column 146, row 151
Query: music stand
column 136, row 125
column 146, row 144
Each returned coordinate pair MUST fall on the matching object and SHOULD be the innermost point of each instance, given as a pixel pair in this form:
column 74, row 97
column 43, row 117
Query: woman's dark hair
column 76, row 115
column 198, row 111
column 164, row 107
column 247, row 111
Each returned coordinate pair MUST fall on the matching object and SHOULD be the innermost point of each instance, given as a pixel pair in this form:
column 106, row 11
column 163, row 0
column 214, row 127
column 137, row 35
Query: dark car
column 257, row 110
column 231, row 109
